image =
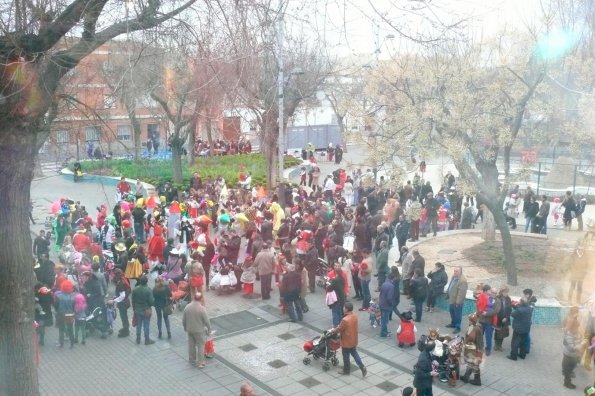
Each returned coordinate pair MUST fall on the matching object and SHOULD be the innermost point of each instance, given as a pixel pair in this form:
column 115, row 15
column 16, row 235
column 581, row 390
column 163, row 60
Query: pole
column 280, row 93
column 538, row 178
column 574, row 180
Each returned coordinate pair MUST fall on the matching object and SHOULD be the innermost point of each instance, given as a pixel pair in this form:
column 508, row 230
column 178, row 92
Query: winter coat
column 522, row 318
column 439, row 280
column 142, row 298
column 291, row 285
column 387, row 295
column 161, row 296
column 422, row 375
column 457, row 290
column 419, row 288
column 348, row 330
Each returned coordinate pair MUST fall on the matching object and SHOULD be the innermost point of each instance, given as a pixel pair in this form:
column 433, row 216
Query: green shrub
column 156, row 171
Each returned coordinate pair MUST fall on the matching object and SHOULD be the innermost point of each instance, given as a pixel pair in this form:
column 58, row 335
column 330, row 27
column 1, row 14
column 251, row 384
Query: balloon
column 126, row 223
column 446, row 205
column 55, row 207
column 151, row 202
column 242, row 217
column 205, row 219
column 224, row 218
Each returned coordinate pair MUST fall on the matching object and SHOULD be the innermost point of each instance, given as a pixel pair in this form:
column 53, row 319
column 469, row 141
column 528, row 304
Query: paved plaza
column 255, row 343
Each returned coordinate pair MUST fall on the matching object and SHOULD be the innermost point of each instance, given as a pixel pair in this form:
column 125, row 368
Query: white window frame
column 62, row 136
column 96, row 135
column 124, row 137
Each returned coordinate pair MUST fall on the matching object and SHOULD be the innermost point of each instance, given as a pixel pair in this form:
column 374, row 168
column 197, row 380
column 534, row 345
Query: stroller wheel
column 316, row 357
column 326, row 366
column 334, row 361
column 307, row 361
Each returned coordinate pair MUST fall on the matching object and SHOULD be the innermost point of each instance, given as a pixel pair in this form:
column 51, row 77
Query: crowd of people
column 337, row 236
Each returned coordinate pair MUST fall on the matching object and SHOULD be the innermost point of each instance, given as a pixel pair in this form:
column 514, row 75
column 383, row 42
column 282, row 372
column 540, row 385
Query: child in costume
column 374, row 311
column 406, row 331
column 80, row 318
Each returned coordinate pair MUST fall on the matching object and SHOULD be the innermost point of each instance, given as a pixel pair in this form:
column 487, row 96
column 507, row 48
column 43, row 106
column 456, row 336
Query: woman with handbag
column 504, row 309
column 163, row 305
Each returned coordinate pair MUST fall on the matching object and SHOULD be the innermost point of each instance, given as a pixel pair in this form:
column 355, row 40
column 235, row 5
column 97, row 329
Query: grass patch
column 156, row 171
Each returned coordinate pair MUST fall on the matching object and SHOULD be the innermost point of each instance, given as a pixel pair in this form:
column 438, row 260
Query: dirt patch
column 542, row 264
column 541, row 257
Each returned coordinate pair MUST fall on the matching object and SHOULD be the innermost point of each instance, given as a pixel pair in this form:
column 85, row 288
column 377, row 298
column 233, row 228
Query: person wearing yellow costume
column 278, row 217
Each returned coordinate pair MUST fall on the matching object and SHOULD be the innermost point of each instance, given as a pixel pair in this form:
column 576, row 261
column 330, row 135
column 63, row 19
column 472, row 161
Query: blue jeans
column 456, row 315
column 366, row 293
column 528, row 223
column 347, row 352
column 337, row 311
column 294, row 310
column 161, row 316
column 385, row 313
column 419, row 308
column 139, row 231
column 488, row 332
column 142, row 321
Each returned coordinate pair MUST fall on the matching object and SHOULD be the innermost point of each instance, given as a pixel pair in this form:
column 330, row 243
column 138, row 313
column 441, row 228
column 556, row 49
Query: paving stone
column 248, row 347
column 387, row 386
column 286, row 336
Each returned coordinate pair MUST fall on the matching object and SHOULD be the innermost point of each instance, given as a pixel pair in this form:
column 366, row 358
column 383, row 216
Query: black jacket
column 422, row 376
column 439, row 280
column 419, row 288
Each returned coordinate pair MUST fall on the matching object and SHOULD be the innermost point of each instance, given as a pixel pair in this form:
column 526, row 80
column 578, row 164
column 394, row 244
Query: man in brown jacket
column 456, row 291
column 348, row 330
column 196, row 323
column 264, row 262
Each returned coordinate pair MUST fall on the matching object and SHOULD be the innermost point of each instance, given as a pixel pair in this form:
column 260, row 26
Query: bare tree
column 34, row 57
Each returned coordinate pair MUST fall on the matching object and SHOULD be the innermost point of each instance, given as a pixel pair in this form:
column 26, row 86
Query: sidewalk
column 255, row 343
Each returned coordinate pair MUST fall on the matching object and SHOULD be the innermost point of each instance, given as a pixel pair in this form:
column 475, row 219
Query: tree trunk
column 341, row 122
column 176, row 155
column 507, row 246
column 18, row 374
column 136, row 129
column 488, row 231
column 209, row 136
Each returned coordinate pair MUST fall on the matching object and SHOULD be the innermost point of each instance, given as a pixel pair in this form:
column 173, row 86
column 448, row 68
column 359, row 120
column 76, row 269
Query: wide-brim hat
column 120, row 247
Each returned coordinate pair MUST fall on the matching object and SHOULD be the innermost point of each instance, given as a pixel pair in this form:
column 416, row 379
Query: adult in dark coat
column 423, row 373
column 439, row 279
column 521, row 326
column 291, row 285
column 419, row 292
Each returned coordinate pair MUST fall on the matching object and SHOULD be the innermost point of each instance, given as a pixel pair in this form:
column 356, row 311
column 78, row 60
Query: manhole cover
column 309, row 382
column 447, row 251
column 277, row 363
column 248, row 347
column 387, row 386
column 271, row 309
column 286, row 336
column 238, row 321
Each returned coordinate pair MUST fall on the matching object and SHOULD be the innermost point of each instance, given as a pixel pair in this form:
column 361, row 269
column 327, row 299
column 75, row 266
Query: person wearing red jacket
column 81, row 241
column 487, row 315
column 406, row 330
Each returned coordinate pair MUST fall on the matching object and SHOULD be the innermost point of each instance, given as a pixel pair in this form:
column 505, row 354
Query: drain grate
column 387, row 386
column 248, row 347
column 277, row 363
column 286, row 336
column 309, row 382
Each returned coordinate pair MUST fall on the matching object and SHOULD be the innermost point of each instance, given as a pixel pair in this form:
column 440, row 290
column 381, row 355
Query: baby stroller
column 322, row 269
column 323, row 347
column 179, row 293
column 100, row 320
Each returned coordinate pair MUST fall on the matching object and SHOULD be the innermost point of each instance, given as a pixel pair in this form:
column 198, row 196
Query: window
column 109, row 102
column 62, row 136
column 124, row 133
column 92, row 134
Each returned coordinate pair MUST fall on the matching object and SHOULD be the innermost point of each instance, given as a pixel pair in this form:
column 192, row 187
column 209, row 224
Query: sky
column 357, row 26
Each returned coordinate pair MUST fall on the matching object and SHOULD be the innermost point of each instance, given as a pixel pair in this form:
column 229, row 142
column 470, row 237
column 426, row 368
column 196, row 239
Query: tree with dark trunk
column 33, row 59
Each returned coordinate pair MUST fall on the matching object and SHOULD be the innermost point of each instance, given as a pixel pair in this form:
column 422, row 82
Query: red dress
column 407, row 335
column 156, row 244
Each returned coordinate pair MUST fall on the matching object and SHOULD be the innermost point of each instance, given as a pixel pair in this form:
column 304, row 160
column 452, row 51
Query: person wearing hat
column 64, row 304
column 122, row 300
column 142, row 303
column 473, row 351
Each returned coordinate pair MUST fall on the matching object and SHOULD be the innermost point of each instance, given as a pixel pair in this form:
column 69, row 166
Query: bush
column 156, row 172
